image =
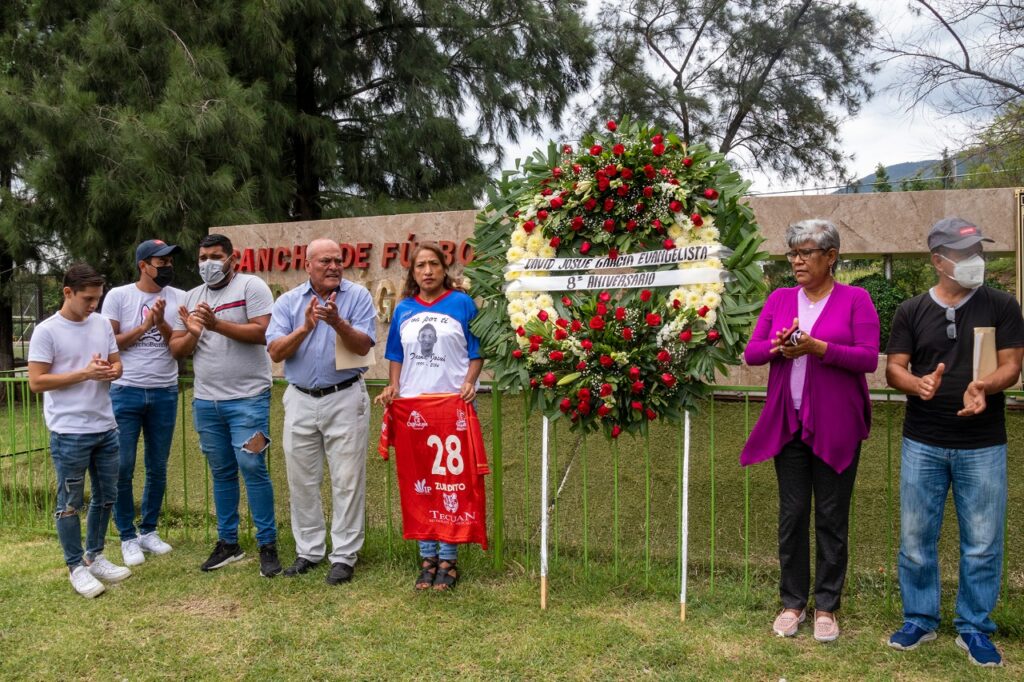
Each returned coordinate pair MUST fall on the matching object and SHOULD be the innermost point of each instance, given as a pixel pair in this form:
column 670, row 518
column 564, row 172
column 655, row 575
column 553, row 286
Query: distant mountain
column 898, row 172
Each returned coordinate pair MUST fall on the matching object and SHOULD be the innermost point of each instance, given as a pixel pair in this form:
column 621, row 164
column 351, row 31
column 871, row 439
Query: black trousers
column 801, row 474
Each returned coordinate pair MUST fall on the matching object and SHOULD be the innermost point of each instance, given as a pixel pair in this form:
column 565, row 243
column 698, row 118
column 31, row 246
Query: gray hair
column 822, row 232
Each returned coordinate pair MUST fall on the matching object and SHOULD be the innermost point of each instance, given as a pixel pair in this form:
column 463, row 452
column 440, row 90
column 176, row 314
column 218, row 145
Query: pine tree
column 882, row 183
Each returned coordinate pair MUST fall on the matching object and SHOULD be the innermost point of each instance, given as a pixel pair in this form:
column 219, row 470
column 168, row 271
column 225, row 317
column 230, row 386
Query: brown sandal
column 447, row 576
column 428, row 572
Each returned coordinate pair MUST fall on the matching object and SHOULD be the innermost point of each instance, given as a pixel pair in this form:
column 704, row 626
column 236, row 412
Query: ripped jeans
column 225, row 429
column 74, row 455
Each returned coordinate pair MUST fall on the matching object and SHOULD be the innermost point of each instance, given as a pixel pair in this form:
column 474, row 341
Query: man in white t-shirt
column 72, row 359
column 223, row 325
column 145, row 398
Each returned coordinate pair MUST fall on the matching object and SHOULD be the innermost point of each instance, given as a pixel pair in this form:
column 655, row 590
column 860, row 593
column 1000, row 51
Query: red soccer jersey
column 439, row 453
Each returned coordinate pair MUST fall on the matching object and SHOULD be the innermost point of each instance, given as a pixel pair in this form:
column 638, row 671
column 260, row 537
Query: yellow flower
column 515, row 253
column 517, row 320
column 519, row 238
column 535, row 242
column 711, row 299
column 675, row 231
column 692, row 299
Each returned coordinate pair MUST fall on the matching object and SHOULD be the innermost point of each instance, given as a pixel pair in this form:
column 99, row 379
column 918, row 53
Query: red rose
column 536, row 338
column 602, row 309
column 542, row 214
column 609, row 225
column 653, row 319
column 685, row 335
column 603, row 183
column 574, row 416
column 516, row 214
column 649, row 171
column 580, row 366
column 616, row 430
column 566, row 301
column 696, row 220
column 557, row 171
column 610, row 125
column 590, row 204
column 657, row 139
column 664, row 356
column 542, row 315
column 529, row 225
column 687, row 162
column 585, row 344
column 619, row 150
column 533, row 383
column 623, row 190
column 703, row 310
column 565, row 405
column 584, row 408
column 606, row 389
column 604, row 297
column 651, row 414
column 668, row 379
column 603, row 410
column 634, row 373
column 577, row 223
column 620, row 313
column 675, row 206
column 556, row 356
column 645, row 295
column 561, row 334
column 637, row 387
column 520, row 331
column 658, row 149
column 637, row 405
column 562, row 322
column 517, row 353
column 639, row 208
column 611, row 170
column 712, row 335
column 648, row 192
column 596, row 150
column 627, row 173
column 550, row 379
column 556, row 202
column 669, row 244
column 534, row 347
column 577, row 169
column 585, row 248
column 567, row 149
column 613, row 254
column 631, row 225
column 555, row 241
column 656, row 224
column 583, row 394
column 576, row 325
column 627, row 334
column 711, row 194
column 547, row 191
column 596, row 323
column 606, row 360
column 609, row 204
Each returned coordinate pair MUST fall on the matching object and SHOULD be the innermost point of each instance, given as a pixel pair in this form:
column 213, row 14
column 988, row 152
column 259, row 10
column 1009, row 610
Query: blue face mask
column 212, row 271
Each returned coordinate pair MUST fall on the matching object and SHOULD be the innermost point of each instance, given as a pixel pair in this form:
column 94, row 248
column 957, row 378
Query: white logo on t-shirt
column 416, row 421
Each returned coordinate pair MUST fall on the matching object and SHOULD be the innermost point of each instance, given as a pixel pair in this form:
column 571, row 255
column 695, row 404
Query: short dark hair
column 220, row 240
column 82, row 276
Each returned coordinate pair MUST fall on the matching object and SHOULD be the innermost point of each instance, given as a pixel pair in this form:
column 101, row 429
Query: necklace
column 815, row 301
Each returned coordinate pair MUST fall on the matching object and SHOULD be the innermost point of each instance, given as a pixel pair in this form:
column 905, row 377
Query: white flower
column 675, row 231
column 713, row 263
column 515, row 253
column 547, row 251
column 711, row 299
column 535, row 242
column 708, row 234
column 692, row 299
column 517, row 320
column 711, row 318
column 515, row 307
column 545, row 301
column 519, row 238
column 515, row 274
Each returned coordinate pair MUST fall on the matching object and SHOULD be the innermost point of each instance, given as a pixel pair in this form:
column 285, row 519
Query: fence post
column 497, row 471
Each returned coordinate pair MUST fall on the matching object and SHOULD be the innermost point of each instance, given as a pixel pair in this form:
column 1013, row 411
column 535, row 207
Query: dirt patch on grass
column 212, row 608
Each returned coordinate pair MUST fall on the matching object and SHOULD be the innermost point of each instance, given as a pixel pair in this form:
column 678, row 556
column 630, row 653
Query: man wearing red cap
column 954, row 435
column 145, row 398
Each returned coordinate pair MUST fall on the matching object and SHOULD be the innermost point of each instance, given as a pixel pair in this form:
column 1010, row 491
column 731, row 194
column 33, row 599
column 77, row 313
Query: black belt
column 321, row 392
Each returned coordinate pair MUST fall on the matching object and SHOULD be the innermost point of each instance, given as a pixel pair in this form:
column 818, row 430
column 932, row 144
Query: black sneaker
column 302, row 565
column 223, row 554
column 340, row 573
column 270, row 565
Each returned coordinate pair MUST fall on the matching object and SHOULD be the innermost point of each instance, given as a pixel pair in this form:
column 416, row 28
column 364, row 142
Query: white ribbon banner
column 633, row 280
column 684, row 254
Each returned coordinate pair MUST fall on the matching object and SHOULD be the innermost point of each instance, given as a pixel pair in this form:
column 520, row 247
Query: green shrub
column 887, row 297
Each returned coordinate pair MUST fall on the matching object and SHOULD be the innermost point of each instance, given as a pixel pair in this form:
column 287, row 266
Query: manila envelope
column 985, row 360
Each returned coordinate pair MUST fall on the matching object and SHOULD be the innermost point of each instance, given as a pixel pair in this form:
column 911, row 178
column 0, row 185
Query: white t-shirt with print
column 148, row 362
column 69, row 346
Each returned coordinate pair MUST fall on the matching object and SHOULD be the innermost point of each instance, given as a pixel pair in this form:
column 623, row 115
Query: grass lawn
column 171, row 620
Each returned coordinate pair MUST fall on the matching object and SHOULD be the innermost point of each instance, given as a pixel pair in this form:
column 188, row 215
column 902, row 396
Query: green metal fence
column 614, row 507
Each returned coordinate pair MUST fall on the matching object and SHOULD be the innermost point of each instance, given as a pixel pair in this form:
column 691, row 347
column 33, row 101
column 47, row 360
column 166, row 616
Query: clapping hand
column 974, row 399
column 155, row 315
column 328, row 312
column 929, row 384
column 99, row 369
column 309, row 320
column 206, row 315
column 191, row 321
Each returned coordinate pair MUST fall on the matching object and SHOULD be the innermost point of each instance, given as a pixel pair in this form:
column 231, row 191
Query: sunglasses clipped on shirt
column 951, row 327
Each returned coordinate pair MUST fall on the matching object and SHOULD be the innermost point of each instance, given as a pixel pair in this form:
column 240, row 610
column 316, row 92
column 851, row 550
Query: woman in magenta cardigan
column 820, row 339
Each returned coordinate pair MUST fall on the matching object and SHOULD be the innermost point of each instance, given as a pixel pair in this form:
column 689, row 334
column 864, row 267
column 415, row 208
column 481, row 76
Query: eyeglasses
column 804, row 254
column 951, row 327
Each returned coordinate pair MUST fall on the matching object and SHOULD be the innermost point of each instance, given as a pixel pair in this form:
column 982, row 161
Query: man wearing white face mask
column 954, row 434
column 223, row 325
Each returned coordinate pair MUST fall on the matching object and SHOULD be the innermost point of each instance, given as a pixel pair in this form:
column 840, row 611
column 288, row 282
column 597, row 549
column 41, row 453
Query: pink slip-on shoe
column 787, row 623
column 826, row 628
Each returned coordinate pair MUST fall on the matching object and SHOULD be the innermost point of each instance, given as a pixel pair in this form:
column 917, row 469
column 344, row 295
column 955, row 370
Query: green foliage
column 887, row 297
column 997, row 160
column 882, row 183
column 763, row 80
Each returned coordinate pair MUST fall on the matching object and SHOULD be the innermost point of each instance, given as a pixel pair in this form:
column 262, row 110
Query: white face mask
column 212, row 271
column 970, row 272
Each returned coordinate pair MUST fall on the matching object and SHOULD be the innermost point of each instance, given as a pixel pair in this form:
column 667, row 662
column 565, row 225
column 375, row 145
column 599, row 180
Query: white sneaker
column 151, row 542
column 108, row 572
column 85, row 583
column 132, row 552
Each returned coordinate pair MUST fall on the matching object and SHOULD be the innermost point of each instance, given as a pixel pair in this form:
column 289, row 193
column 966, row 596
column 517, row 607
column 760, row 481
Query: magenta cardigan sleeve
column 862, row 356
column 760, row 343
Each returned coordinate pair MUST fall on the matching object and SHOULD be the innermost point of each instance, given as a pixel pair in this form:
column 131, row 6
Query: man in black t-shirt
column 954, row 434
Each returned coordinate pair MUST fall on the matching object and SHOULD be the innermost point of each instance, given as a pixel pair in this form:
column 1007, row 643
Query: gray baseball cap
column 954, row 233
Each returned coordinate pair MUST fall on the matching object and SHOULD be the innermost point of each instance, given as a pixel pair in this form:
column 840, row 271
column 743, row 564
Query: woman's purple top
column 836, row 408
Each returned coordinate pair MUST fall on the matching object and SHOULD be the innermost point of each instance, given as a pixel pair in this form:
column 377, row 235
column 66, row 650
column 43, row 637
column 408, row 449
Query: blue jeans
column 74, row 455
column 442, row 550
column 224, row 427
column 978, row 478
column 153, row 411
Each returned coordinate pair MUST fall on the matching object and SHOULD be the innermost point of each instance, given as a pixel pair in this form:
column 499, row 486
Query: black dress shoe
column 301, row 565
column 340, row 573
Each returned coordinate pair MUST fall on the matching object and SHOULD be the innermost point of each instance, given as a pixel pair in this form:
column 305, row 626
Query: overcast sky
column 883, row 132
